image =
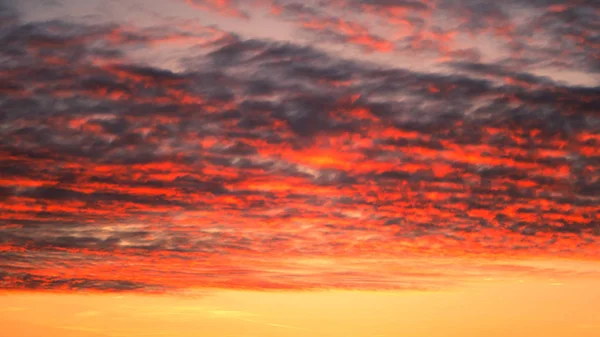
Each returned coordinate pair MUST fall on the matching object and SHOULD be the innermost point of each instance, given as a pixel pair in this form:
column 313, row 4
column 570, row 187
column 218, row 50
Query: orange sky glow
column 343, row 168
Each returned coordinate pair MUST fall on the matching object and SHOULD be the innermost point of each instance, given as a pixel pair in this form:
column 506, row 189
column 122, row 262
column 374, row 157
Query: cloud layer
column 271, row 164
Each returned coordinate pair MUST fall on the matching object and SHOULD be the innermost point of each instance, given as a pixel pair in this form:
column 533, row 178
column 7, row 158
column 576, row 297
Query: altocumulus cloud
column 268, row 164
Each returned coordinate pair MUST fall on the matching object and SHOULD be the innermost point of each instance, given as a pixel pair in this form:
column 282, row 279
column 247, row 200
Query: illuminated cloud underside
column 265, row 164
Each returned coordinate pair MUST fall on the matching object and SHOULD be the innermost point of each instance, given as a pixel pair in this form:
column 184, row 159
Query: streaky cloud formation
column 253, row 163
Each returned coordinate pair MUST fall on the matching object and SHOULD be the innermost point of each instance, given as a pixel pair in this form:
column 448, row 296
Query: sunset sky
column 289, row 168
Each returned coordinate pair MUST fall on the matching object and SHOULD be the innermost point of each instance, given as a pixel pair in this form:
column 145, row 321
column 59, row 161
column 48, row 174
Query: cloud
column 334, row 28
column 224, row 7
column 24, row 281
column 261, row 164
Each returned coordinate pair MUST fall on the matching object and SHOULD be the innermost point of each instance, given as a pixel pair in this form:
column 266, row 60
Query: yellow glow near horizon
column 527, row 309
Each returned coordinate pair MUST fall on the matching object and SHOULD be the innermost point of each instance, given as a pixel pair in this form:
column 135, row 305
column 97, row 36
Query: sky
column 294, row 168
